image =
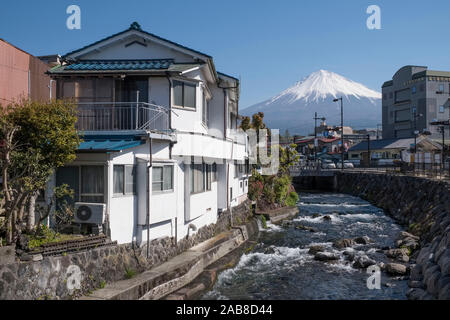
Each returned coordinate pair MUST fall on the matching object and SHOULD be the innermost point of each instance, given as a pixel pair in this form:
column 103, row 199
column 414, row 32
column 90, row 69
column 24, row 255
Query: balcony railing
column 115, row 116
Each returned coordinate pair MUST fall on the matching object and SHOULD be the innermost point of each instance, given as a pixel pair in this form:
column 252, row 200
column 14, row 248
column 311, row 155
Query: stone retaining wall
column 75, row 274
column 423, row 207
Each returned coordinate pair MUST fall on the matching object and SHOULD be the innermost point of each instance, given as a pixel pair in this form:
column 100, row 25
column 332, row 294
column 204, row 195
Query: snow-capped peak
column 321, row 85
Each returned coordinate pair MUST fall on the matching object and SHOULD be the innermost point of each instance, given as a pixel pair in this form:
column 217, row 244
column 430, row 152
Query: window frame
column 163, row 166
column 206, row 176
column 124, row 192
column 184, row 83
column 81, row 184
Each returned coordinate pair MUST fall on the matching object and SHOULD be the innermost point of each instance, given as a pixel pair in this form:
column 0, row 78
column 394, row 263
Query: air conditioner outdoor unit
column 92, row 213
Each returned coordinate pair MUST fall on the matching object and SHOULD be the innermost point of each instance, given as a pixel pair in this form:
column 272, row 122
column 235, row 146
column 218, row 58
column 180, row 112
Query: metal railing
column 115, row 116
column 425, row 170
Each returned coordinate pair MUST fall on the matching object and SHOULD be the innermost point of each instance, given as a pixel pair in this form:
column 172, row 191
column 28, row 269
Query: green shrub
column 264, row 221
column 129, row 273
column 292, row 199
column 281, row 188
column 102, row 284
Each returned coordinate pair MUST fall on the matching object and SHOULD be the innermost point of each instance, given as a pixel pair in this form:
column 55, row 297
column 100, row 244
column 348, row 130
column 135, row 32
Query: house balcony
column 122, row 116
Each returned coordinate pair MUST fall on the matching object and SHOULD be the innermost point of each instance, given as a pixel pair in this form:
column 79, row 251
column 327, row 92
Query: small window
column 441, row 88
column 422, row 87
column 162, row 178
column 214, row 172
column 92, row 184
column 184, row 94
column 201, row 177
column 391, row 95
column 205, row 110
column 413, row 89
column 124, row 179
column 441, row 109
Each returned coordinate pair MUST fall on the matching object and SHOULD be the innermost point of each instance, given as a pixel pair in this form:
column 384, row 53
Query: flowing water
column 280, row 267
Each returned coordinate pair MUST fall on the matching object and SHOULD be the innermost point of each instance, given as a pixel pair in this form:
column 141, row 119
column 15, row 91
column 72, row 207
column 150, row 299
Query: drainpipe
column 170, row 101
column 148, row 197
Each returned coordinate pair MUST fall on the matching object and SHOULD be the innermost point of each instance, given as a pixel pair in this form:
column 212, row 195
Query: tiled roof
column 123, row 65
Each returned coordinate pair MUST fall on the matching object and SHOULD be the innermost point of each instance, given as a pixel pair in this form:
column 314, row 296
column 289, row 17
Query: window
column 162, row 178
column 214, row 172
column 184, row 94
column 201, row 177
column 391, row 95
column 441, row 88
column 124, row 179
column 413, row 89
column 384, row 96
column 422, row 87
column 92, row 184
column 205, row 110
column 441, row 109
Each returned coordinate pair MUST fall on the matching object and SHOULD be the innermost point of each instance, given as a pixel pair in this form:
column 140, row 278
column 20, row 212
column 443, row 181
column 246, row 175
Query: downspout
column 170, row 101
column 148, row 197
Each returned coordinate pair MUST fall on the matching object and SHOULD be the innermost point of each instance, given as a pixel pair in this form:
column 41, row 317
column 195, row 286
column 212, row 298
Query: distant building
column 387, row 150
column 22, row 76
column 415, row 90
column 328, row 131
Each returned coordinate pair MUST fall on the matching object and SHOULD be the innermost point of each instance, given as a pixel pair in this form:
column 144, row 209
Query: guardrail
column 114, row 116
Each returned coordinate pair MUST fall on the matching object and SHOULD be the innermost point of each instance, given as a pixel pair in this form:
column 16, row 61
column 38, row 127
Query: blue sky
column 268, row 44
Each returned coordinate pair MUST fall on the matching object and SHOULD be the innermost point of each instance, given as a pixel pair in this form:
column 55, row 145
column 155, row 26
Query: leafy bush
column 264, row 221
column 46, row 235
column 292, row 199
column 255, row 190
column 281, row 188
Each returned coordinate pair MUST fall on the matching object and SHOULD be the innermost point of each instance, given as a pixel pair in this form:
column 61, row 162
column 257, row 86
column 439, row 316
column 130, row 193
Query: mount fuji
column 293, row 109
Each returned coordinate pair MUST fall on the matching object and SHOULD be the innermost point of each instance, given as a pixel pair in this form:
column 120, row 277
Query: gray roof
column 404, row 143
column 383, row 144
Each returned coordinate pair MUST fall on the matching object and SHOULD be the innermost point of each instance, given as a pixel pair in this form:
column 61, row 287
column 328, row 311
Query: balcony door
column 127, row 89
column 129, row 94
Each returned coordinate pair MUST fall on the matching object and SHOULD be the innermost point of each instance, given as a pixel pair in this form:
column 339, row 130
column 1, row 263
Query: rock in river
column 326, row 256
column 363, row 261
column 316, row 248
column 343, row 243
column 396, row 269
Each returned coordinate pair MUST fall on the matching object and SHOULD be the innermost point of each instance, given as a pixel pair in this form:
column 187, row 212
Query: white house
column 160, row 148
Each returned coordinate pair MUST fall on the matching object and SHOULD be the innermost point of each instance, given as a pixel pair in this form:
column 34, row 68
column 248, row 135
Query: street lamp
column 342, row 131
column 315, row 133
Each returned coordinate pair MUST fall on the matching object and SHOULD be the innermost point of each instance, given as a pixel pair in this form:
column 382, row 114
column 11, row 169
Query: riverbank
column 423, row 207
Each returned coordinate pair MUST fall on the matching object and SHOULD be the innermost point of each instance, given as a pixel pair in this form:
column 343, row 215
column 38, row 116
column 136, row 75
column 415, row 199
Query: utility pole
column 368, row 151
column 342, row 131
column 315, row 133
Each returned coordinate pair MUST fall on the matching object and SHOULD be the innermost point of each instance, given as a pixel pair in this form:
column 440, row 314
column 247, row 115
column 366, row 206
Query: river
column 280, row 267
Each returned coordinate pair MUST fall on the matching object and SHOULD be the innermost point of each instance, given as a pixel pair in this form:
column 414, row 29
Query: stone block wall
column 423, row 207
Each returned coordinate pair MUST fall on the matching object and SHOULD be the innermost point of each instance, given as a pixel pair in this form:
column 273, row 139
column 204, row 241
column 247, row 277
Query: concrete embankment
column 423, row 207
column 179, row 271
